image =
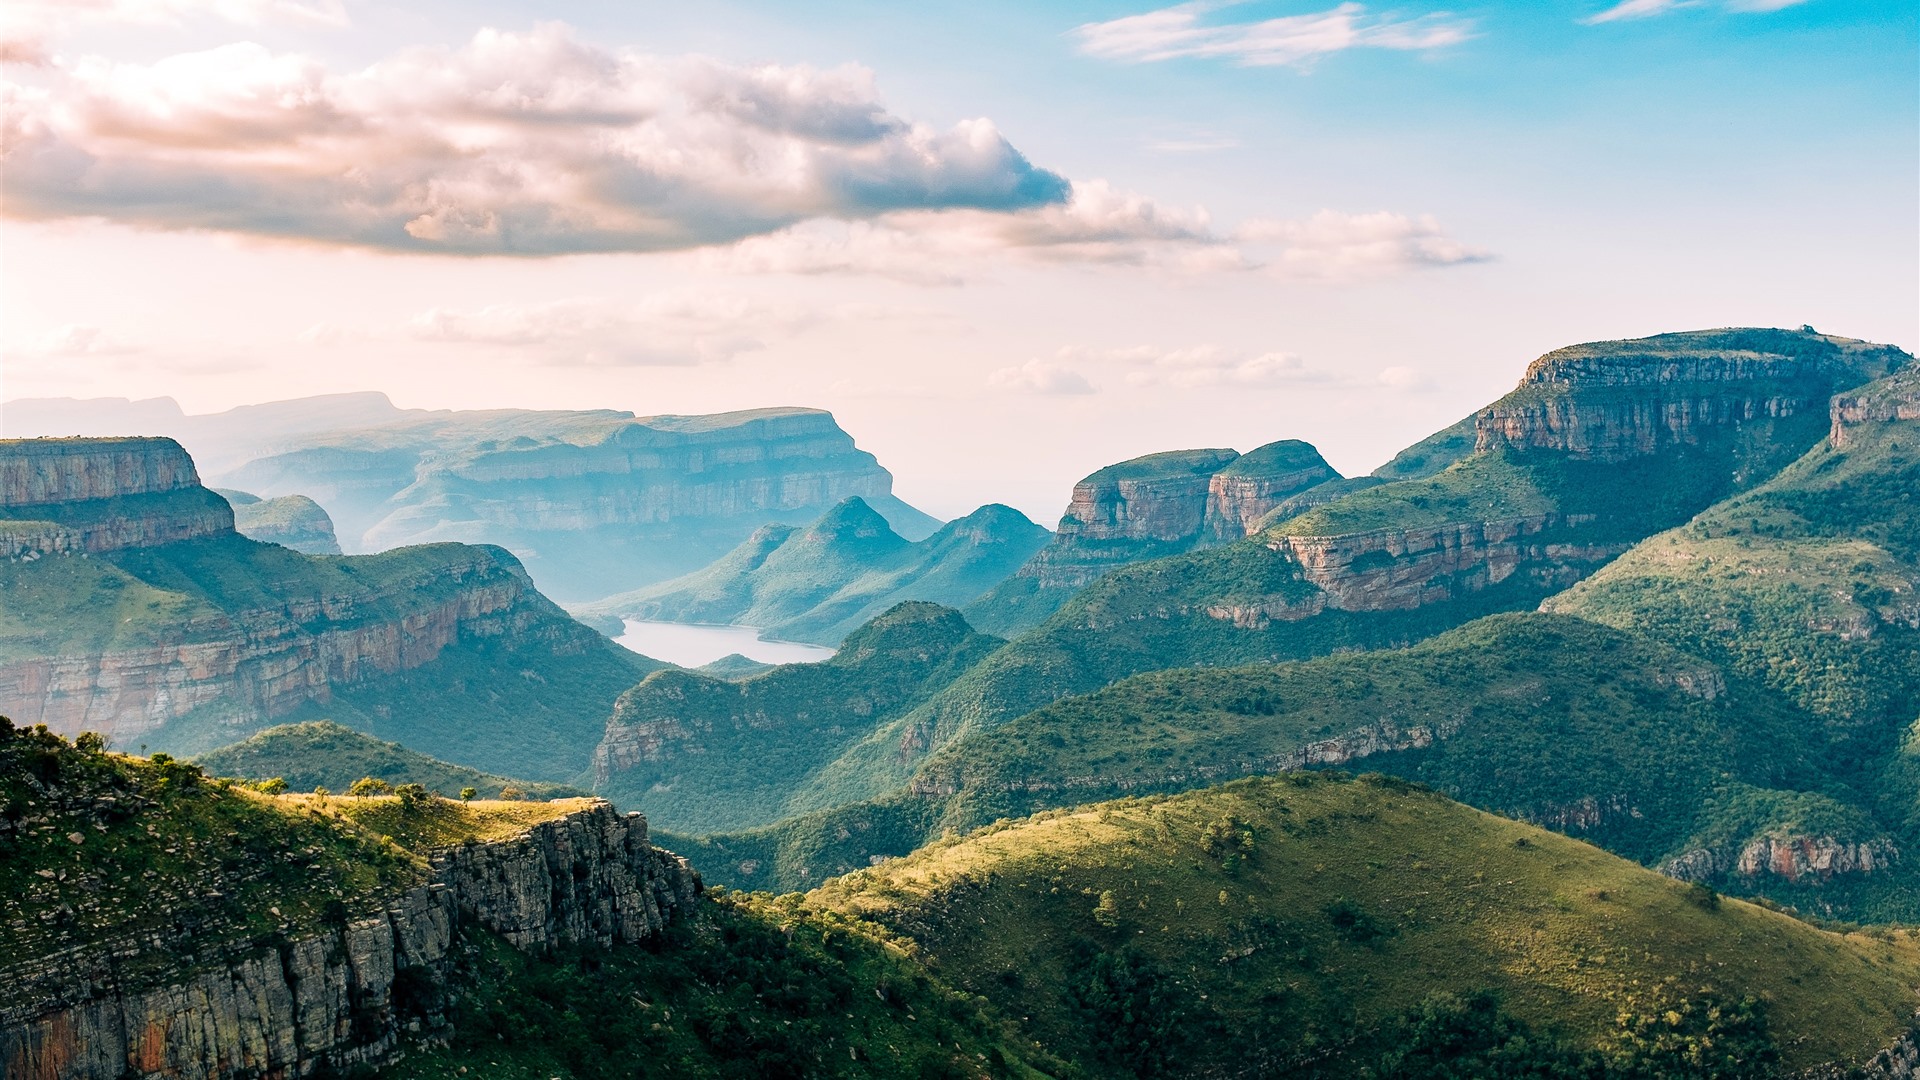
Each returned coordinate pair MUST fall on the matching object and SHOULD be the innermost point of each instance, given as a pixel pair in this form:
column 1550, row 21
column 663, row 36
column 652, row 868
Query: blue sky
column 1354, row 246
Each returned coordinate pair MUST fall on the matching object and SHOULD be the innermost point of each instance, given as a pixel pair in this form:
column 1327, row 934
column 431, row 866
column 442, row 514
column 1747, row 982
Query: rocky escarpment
column 170, row 617
column 296, row 1004
column 1617, row 400
column 1887, row 401
column 92, row 496
column 1791, row 858
column 593, row 502
column 293, row 521
column 1147, row 508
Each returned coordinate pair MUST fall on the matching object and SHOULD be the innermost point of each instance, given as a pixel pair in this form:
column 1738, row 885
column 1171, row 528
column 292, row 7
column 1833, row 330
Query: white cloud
column 1039, row 376
column 1335, row 245
column 27, row 27
column 1400, row 377
column 669, row 329
column 74, row 340
column 1644, row 9
column 525, row 144
column 1180, row 32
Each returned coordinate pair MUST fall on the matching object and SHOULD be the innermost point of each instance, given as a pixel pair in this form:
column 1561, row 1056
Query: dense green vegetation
column 822, row 582
column 100, row 848
column 291, row 520
column 323, row 754
column 752, row 987
column 1185, row 610
column 690, row 733
column 1305, row 925
column 1550, row 719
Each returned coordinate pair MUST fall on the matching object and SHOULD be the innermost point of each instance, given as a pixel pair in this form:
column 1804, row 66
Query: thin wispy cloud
column 1332, row 245
column 1646, row 9
column 516, row 144
column 1039, row 376
column 677, row 329
column 1184, row 31
column 29, row 27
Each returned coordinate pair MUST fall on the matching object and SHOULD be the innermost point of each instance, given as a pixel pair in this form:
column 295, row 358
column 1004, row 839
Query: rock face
column 70, row 496
column 225, row 628
column 593, row 502
column 1888, row 401
column 348, row 995
column 1147, row 508
column 1612, row 401
column 1791, row 858
column 293, row 521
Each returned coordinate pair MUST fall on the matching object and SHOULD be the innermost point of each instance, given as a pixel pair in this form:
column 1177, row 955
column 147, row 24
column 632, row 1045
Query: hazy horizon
column 1003, row 244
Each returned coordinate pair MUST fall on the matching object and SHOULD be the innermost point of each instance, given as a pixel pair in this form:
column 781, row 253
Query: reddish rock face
column 54, row 497
column 1888, row 401
column 36, row 472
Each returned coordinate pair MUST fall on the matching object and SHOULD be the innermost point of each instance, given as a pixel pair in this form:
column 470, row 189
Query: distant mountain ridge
column 133, row 608
column 593, row 502
column 822, row 582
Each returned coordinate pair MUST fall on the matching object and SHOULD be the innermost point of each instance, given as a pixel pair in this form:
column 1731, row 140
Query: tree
column 368, row 785
column 467, row 794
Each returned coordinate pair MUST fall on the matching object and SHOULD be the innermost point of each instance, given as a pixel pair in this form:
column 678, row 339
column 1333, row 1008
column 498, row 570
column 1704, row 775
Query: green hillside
column 195, row 868
column 1319, row 926
column 529, row 696
column 1550, row 719
column 322, row 754
column 1621, row 475
column 820, row 583
column 700, row 753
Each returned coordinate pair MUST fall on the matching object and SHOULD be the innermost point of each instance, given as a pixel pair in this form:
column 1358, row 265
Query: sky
column 1005, row 243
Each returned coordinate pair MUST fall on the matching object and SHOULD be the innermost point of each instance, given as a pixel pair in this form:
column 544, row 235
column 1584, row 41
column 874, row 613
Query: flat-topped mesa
column 1140, row 508
column 1257, row 482
column 1890, row 400
column 61, row 496
column 293, row 521
column 1614, row 400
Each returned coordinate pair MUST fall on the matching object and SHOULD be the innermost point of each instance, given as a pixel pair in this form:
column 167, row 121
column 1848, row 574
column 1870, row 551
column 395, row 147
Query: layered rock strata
column 94, row 496
column 347, row 995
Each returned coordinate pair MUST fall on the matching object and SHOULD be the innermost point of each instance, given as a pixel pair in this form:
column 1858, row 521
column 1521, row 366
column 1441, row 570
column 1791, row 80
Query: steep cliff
column 138, row 612
column 1600, row 447
column 1146, row 508
column 594, row 503
column 822, row 582
column 293, row 521
column 167, row 926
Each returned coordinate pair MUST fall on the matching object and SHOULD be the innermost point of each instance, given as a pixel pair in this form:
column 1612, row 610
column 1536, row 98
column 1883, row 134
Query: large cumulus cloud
column 534, row 143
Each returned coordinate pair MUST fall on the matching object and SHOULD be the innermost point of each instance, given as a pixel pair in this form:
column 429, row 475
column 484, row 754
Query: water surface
column 691, row 644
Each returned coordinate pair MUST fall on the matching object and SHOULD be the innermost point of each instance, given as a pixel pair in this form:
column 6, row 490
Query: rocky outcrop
column 352, row 994
column 1901, row 1061
column 293, row 521
column 1617, row 400
column 1165, row 504
column 1792, row 858
column 93, row 496
column 1890, row 400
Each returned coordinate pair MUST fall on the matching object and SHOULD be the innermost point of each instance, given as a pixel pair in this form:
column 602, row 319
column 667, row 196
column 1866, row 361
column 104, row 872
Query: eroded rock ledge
column 294, row 1006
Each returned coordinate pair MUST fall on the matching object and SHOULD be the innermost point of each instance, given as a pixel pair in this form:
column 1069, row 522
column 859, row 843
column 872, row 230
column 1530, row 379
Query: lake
column 691, row 644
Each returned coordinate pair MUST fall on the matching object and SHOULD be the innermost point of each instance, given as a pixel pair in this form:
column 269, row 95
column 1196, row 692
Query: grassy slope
column 531, row 704
column 321, row 753
column 741, row 989
column 821, row 583
column 1320, row 909
column 1153, row 615
column 787, row 722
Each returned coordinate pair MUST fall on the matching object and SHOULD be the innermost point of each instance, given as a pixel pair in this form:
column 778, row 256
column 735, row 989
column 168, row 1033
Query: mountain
column 1599, row 447
column 820, row 583
column 131, row 607
column 322, row 754
column 163, row 924
column 293, row 521
column 594, row 502
column 675, row 744
column 1319, row 926
column 1808, row 585
column 1144, row 508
